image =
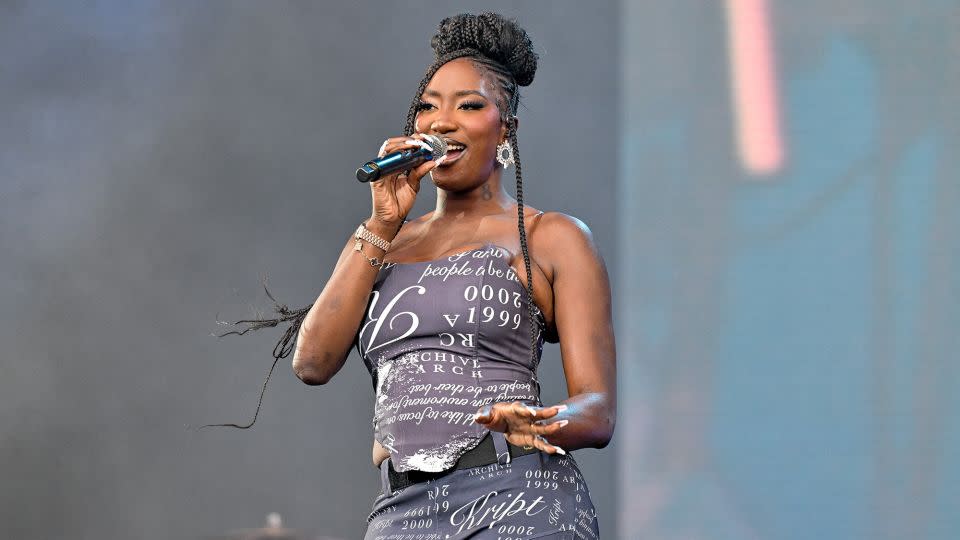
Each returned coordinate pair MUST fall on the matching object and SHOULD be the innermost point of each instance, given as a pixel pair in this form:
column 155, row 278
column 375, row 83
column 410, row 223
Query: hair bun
column 493, row 36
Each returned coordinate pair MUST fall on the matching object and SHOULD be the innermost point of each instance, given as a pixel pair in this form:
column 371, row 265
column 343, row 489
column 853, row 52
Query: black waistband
column 484, row 453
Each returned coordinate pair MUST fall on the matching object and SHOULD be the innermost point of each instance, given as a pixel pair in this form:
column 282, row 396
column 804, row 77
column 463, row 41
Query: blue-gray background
column 789, row 341
column 786, row 342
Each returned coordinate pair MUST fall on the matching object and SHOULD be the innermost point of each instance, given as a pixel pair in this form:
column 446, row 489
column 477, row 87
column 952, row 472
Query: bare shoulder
column 564, row 235
column 562, row 226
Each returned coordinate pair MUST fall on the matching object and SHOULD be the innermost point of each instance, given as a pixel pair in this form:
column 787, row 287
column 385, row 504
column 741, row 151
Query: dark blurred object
column 273, row 531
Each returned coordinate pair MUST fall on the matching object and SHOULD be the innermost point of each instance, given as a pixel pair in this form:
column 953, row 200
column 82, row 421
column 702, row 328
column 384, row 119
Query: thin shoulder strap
column 535, row 219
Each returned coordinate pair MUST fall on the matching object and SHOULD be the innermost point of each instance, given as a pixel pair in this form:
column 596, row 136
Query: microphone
column 433, row 147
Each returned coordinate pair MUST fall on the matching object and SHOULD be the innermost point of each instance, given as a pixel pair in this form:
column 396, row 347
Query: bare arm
column 582, row 310
column 327, row 332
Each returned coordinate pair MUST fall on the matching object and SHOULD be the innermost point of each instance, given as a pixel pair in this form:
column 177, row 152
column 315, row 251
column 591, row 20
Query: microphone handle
column 393, row 162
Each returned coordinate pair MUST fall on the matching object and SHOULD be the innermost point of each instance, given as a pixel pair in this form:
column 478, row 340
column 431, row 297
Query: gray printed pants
column 536, row 496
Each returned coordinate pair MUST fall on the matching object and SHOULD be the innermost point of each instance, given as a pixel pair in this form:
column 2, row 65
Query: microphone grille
column 438, row 146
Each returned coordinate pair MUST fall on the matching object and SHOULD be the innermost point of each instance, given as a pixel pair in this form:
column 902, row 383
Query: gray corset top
column 441, row 339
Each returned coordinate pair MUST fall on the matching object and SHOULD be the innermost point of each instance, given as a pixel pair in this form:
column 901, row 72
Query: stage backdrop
column 157, row 158
column 790, row 270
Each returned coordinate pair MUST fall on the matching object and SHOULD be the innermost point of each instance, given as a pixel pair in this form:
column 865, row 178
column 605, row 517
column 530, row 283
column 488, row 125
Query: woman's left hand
column 523, row 425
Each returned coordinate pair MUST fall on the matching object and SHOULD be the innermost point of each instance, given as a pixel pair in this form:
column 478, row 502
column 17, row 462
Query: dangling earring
column 505, row 154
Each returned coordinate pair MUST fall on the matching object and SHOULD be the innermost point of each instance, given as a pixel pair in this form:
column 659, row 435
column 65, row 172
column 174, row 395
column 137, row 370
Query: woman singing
column 449, row 312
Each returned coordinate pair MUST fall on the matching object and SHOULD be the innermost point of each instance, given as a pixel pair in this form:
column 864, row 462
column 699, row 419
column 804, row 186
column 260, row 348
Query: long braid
column 282, row 349
column 521, row 226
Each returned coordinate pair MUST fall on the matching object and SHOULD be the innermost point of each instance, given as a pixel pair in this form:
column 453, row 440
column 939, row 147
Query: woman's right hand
column 393, row 195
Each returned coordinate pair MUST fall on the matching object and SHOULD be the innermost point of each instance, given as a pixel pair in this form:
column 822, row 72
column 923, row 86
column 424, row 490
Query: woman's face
column 460, row 105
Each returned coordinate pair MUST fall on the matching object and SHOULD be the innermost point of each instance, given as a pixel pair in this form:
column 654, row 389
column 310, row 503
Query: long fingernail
column 561, row 408
column 440, row 159
column 560, row 451
column 418, row 142
column 531, row 409
column 563, row 423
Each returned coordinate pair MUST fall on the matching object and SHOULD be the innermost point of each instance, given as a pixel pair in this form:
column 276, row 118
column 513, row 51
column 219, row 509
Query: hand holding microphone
column 418, row 150
column 395, row 176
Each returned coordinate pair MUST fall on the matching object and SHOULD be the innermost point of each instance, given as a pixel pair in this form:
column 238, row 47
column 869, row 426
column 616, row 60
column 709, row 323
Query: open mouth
column 454, row 151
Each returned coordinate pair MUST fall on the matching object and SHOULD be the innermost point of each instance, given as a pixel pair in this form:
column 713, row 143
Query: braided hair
column 503, row 51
